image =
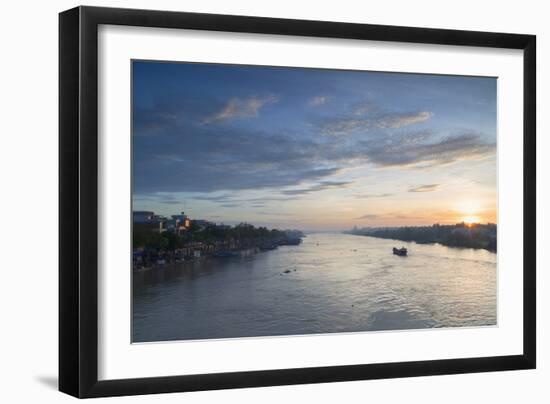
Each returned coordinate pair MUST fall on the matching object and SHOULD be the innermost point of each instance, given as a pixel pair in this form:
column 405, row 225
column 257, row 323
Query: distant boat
column 400, row 251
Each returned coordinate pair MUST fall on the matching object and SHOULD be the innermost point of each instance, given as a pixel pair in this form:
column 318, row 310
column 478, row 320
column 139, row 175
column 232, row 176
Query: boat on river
column 400, row 251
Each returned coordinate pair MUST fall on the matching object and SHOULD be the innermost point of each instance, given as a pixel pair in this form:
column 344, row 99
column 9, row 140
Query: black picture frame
column 78, row 201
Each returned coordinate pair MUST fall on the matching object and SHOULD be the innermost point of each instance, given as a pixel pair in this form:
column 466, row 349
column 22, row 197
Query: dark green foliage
column 243, row 235
column 149, row 239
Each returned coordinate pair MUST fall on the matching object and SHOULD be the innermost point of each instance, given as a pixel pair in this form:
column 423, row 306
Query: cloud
column 424, row 188
column 270, row 199
column 395, row 215
column 240, row 108
column 165, row 115
column 264, row 213
column 401, row 120
column 319, row 100
column 424, row 149
column 368, row 196
column 156, row 197
column 171, row 202
column 317, row 187
column 213, row 198
column 230, row 200
column 207, row 159
column 362, row 108
column 348, row 125
column 370, row 216
column 175, row 152
column 223, row 201
column 344, row 126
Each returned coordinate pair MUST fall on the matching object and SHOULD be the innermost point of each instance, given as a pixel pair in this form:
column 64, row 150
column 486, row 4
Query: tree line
column 244, row 234
column 457, row 235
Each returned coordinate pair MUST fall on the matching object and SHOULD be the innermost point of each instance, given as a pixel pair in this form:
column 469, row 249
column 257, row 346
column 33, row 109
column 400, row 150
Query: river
column 337, row 283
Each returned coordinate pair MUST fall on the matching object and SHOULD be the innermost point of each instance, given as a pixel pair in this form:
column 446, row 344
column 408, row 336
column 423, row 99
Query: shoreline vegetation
column 153, row 248
column 465, row 235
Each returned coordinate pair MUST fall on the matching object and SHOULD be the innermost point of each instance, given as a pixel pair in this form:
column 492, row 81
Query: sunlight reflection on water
column 336, row 283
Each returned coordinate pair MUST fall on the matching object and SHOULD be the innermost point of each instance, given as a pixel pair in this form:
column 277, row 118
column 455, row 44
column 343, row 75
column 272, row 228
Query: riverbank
column 172, row 263
column 146, row 260
column 477, row 236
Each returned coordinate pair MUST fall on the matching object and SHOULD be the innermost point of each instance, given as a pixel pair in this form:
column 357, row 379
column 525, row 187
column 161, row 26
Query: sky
column 312, row 149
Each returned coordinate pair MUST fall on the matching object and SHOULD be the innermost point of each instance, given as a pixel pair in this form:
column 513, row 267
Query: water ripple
column 336, row 283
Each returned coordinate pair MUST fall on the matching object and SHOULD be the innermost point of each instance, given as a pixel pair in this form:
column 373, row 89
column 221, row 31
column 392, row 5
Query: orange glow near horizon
column 470, row 220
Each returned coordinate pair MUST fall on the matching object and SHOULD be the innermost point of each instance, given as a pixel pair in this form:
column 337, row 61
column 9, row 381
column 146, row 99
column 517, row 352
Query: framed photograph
column 251, row 201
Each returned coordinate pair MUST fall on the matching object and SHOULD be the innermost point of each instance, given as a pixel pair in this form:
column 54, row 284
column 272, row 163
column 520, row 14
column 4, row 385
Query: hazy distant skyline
column 313, row 149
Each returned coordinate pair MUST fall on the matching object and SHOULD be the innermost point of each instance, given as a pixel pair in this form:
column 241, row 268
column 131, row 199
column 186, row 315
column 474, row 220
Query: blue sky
column 315, row 149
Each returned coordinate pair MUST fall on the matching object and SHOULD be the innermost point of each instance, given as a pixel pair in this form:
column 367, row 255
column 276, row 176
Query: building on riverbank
column 156, row 239
column 149, row 221
column 178, row 223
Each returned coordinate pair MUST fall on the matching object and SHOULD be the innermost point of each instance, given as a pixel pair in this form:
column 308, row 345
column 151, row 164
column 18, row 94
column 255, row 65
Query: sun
column 470, row 220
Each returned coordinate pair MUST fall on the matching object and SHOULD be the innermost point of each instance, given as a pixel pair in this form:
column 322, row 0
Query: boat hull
column 402, row 252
